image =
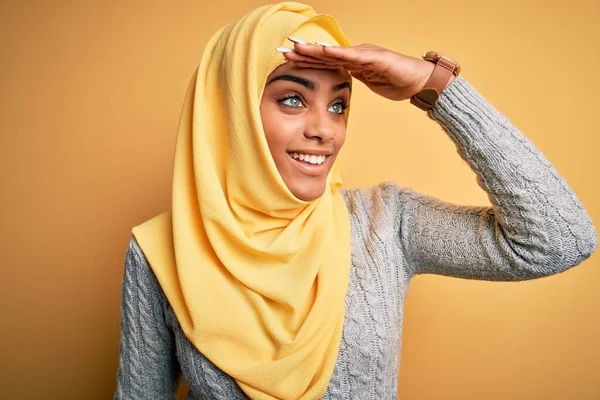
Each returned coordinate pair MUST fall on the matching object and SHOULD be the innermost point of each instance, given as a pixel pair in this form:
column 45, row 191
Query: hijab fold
column 256, row 277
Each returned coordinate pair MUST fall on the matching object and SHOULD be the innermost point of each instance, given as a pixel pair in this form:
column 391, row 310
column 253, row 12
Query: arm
column 147, row 363
column 536, row 225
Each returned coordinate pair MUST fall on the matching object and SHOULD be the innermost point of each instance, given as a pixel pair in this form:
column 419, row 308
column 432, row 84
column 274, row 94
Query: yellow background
column 90, row 95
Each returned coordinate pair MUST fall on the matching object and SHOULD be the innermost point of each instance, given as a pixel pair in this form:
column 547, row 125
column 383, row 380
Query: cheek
column 280, row 129
column 269, row 123
column 340, row 138
column 267, row 119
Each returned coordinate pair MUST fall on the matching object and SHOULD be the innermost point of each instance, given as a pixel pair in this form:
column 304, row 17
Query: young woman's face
column 303, row 116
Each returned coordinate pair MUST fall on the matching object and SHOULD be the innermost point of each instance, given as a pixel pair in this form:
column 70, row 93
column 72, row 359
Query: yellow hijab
column 257, row 278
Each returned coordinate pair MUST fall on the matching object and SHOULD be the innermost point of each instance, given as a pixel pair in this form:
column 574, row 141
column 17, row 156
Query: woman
column 266, row 280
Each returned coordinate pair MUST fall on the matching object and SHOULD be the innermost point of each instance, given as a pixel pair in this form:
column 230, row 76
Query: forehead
column 335, row 76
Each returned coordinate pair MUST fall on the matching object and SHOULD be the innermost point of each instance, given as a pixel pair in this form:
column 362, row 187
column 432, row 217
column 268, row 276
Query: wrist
column 425, row 70
column 439, row 71
column 428, row 67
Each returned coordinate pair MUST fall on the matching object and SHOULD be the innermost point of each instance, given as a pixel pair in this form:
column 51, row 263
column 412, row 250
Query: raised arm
column 536, row 226
column 147, row 364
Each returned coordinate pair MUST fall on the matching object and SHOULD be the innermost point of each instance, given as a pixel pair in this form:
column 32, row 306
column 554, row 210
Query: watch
column 444, row 68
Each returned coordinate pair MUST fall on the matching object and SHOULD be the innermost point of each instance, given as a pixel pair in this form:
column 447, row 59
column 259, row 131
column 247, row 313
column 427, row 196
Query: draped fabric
column 256, row 277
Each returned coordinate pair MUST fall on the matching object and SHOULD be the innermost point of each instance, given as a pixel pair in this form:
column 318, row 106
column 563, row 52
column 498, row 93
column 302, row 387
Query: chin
column 309, row 192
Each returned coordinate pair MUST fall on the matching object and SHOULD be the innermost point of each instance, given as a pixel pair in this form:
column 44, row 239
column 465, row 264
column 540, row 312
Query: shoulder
column 379, row 205
column 138, row 275
column 387, row 195
column 135, row 260
column 135, row 256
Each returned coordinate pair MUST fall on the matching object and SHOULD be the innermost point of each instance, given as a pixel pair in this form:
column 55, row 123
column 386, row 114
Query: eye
column 292, row 101
column 338, row 107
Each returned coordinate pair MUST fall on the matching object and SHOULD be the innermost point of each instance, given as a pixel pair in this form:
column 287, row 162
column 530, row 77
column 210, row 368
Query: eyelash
column 343, row 103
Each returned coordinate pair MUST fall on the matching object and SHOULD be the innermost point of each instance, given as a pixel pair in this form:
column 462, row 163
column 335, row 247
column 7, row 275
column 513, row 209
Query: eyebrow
column 341, row 86
column 310, row 85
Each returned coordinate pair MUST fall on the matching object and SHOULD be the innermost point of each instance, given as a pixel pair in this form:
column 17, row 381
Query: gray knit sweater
column 535, row 227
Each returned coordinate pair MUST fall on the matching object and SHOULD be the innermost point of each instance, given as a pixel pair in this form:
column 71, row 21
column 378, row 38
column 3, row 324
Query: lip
column 311, row 152
column 311, row 169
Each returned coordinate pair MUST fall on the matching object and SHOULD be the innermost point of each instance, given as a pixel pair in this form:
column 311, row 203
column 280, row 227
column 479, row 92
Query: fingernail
column 296, row 40
column 324, row 44
column 284, row 49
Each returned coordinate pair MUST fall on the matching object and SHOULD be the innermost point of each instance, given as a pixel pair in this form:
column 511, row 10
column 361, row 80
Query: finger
column 301, row 64
column 353, row 67
column 314, row 51
column 363, row 56
column 344, row 53
column 358, row 56
column 310, row 63
column 297, row 57
column 358, row 75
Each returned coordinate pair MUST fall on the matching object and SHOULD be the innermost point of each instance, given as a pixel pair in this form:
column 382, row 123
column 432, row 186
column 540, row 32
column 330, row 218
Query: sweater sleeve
column 536, row 226
column 148, row 366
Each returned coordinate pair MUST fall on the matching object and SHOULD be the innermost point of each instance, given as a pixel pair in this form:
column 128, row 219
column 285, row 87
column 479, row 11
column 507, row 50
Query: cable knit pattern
column 147, row 362
column 535, row 227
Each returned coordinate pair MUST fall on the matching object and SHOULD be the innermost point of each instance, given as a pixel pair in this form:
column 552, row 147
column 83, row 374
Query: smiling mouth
column 310, row 164
column 309, row 158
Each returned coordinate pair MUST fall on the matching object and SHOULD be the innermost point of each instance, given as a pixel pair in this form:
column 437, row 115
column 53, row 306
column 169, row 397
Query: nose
column 320, row 126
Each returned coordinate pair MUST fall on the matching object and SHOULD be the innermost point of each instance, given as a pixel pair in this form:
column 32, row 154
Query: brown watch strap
column 445, row 67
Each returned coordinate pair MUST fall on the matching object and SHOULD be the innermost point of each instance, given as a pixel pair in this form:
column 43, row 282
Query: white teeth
column 309, row 158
